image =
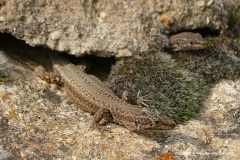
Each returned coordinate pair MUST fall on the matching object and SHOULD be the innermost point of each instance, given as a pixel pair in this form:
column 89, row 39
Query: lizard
column 95, row 97
column 187, row 41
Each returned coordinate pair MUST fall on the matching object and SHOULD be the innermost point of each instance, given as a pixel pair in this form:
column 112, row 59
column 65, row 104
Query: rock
column 87, row 27
column 39, row 121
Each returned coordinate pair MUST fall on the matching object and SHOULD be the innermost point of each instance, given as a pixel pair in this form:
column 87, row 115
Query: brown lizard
column 187, row 41
column 95, row 97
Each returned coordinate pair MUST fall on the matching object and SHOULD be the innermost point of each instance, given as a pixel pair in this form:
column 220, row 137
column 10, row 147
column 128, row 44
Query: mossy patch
column 211, row 65
column 234, row 26
column 237, row 45
column 234, row 21
column 5, row 76
column 176, row 91
column 179, row 83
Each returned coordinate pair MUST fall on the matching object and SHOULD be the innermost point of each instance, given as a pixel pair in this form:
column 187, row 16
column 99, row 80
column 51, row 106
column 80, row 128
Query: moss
column 122, row 70
column 234, row 27
column 179, row 82
column 8, row 79
column 210, row 65
column 236, row 44
column 234, row 19
column 23, row 18
column 13, row 114
column 210, row 41
column 176, row 91
column 5, row 76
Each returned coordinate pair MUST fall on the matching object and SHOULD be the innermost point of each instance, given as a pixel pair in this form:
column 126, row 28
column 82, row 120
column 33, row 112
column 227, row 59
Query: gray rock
column 102, row 27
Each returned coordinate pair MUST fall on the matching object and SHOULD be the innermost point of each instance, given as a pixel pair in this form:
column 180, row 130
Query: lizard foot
column 101, row 127
column 101, row 118
column 142, row 99
column 139, row 100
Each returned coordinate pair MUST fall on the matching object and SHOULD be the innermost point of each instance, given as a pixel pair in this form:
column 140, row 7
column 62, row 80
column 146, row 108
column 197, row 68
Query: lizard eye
column 157, row 122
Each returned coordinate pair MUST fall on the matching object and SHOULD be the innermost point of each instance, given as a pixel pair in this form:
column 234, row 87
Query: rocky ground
column 105, row 28
column 39, row 121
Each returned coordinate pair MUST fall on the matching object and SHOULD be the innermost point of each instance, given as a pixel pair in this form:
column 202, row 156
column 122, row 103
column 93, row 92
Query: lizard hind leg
column 102, row 117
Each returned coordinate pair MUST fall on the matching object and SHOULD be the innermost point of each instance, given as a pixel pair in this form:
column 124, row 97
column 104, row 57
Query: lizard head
column 159, row 120
column 152, row 119
column 187, row 41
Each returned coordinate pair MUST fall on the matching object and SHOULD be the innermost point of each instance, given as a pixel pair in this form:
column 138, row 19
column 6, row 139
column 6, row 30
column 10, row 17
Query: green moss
column 122, row 70
column 179, row 83
column 13, row 114
column 210, row 41
column 237, row 45
column 176, row 91
column 234, row 27
column 5, row 76
column 234, row 19
column 23, row 18
column 8, row 79
column 210, row 65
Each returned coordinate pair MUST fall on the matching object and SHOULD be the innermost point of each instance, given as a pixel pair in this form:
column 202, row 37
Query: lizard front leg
column 138, row 100
column 101, row 114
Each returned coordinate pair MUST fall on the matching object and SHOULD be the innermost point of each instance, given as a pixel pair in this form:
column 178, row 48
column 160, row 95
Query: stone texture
column 39, row 121
column 104, row 27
